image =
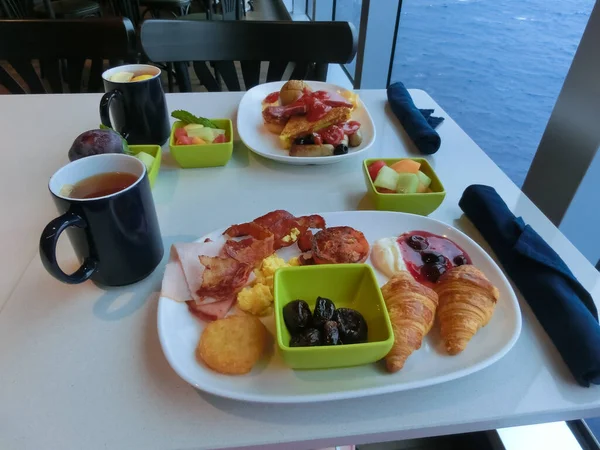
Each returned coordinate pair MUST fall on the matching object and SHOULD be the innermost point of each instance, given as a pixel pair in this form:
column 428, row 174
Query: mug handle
column 105, row 110
column 48, row 242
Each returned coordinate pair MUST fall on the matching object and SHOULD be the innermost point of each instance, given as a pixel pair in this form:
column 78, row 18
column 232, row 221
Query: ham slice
column 187, row 256
column 219, row 280
column 174, row 284
column 212, row 311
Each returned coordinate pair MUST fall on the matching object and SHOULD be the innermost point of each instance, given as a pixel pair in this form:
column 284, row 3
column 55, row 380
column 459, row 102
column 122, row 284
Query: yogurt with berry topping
column 426, row 256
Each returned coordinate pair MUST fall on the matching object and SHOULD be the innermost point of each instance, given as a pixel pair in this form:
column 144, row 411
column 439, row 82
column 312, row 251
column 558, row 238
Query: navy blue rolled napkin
column 415, row 122
column 561, row 304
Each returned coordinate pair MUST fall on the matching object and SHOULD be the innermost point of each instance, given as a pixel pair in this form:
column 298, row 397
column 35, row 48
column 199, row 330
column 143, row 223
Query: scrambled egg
column 293, row 236
column 295, row 261
column 258, row 298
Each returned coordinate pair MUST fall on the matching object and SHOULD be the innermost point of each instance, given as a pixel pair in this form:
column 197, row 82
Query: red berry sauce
column 427, row 256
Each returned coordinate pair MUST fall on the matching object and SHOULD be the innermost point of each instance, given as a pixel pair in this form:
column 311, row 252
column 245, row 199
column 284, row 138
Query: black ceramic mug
column 138, row 108
column 116, row 237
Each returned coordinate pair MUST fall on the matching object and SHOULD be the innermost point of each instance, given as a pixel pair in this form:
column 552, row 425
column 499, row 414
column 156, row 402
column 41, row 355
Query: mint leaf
column 188, row 117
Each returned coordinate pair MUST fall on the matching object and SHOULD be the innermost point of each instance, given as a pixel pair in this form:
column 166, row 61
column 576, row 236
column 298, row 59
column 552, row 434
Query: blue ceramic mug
column 116, row 237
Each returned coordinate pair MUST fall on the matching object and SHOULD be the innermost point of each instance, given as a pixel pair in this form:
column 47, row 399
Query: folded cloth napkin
column 561, row 304
column 414, row 121
column 432, row 121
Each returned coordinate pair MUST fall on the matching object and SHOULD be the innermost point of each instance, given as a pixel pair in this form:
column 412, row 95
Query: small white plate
column 271, row 381
column 256, row 137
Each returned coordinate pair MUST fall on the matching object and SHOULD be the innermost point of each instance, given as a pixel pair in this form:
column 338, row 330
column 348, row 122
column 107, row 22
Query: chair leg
column 182, row 76
column 170, row 76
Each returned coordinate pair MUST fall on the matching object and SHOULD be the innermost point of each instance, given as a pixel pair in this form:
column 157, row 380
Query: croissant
column 467, row 301
column 411, row 307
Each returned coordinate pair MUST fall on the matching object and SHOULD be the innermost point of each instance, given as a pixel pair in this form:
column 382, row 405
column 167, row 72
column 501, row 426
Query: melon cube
column 406, row 166
column 387, row 178
column 424, row 179
column 407, row 183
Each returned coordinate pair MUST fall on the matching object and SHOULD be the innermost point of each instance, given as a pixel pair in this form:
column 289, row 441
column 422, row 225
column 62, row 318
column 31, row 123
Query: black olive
column 433, row 258
column 324, row 309
column 351, row 325
column 433, row 272
column 305, row 140
column 460, row 260
column 296, row 316
column 340, row 149
column 331, row 334
column 417, row 242
column 312, row 337
column 298, row 341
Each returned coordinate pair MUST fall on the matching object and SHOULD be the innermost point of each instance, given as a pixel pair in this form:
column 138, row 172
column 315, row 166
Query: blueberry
column 433, row 258
column 460, row 260
column 417, row 242
column 433, row 272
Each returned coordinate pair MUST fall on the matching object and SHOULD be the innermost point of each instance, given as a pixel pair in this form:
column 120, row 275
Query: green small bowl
column 203, row 155
column 423, row 204
column 348, row 286
column 153, row 150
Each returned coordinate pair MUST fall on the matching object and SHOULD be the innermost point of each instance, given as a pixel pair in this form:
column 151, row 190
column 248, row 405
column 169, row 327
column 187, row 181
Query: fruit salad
column 194, row 134
column 197, row 131
column 402, row 177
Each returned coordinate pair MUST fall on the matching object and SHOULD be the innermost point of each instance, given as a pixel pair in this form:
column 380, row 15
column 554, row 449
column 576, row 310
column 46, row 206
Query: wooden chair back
column 26, row 46
column 230, row 46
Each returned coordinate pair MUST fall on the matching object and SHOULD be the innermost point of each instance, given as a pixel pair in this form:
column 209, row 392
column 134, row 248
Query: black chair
column 310, row 46
column 15, row 9
column 67, row 9
column 22, row 42
column 174, row 7
column 230, row 10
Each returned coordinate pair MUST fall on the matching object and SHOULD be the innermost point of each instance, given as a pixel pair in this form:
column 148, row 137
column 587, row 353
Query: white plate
column 257, row 138
column 271, row 381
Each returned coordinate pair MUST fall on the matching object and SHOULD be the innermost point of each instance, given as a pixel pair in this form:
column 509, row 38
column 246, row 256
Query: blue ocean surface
column 495, row 66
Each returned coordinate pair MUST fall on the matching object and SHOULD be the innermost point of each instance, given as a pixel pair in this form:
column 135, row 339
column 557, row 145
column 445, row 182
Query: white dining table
column 81, row 366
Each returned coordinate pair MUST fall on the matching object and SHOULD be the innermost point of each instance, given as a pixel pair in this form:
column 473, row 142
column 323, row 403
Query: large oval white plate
column 271, row 381
column 257, row 138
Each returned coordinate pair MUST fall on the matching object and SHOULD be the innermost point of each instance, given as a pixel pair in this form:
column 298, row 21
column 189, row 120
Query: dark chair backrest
column 50, row 42
column 14, row 9
column 231, row 9
column 310, row 46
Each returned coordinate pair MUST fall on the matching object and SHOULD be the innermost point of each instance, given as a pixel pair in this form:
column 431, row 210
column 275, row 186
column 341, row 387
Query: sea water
column 496, row 66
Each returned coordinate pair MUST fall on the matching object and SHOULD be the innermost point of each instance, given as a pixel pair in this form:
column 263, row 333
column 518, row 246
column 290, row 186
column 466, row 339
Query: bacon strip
column 250, row 251
column 248, row 229
column 223, row 277
column 280, row 223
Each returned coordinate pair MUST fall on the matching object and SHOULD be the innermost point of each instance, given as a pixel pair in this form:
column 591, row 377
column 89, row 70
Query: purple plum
column 96, row 142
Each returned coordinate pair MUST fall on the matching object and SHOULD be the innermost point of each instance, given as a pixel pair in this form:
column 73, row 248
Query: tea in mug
column 99, row 185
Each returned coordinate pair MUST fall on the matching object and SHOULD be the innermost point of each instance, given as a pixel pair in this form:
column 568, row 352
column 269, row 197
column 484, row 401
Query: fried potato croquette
column 232, row 345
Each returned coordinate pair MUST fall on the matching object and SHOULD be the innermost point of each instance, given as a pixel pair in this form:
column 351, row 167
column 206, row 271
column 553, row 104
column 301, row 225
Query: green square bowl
column 424, row 203
column 348, row 286
column 204, row 155
column 153, row 150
